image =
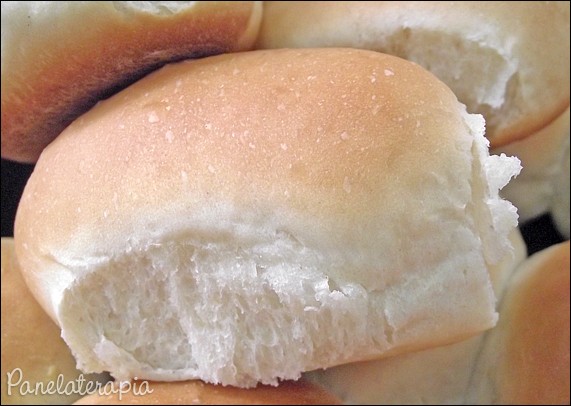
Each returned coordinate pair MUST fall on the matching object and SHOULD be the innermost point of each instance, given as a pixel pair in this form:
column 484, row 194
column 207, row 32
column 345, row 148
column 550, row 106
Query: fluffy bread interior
column 265, row 222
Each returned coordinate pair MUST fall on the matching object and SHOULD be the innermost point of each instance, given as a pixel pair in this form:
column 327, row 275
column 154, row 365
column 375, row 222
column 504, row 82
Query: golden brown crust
column 199, row 393
column 48, row 81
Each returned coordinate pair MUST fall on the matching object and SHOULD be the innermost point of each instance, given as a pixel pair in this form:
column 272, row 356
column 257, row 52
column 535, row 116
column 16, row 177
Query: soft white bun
column 248, row 217
column 543, row 184
column 33, row 353
column 60, row 57
column 198, row 393
column 523, row 360
column 435, row 376
column 508, row 61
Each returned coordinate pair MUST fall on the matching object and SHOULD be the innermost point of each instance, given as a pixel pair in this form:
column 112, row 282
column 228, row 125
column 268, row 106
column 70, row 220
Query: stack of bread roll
column 288, row 226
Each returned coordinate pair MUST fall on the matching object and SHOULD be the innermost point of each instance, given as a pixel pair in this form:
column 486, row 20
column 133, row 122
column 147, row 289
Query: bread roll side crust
column 59, row 59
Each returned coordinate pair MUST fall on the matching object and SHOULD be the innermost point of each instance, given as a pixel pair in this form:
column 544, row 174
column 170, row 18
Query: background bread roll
column 507, row 61
column 526, row 357
column 543, row 184
column 60, row 57
column 199, row 393
column 31, row 342
column 271, row 205
column 523, row 360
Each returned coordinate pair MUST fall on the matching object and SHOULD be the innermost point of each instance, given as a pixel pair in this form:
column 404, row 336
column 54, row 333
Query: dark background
column 538, row 234
column 14, row 177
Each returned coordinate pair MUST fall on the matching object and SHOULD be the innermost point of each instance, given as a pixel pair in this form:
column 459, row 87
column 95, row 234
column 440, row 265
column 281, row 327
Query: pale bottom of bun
column 437, row 376
column 199, row 393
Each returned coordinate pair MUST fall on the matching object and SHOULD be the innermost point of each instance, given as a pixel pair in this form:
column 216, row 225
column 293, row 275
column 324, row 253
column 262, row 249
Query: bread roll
column 507, row 61
column 526, row 357
column 32, row 350
column 543, row 184
column 199, row 393
column 437, row 376
column 523, row 360
column 272, row 208
column 60, row 57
